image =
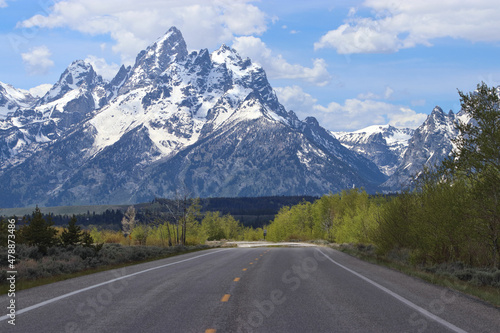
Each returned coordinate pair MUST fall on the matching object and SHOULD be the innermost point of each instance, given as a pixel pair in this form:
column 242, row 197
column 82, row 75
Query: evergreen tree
column 73, row 234
column 4, row 231
column 87, row 239
column 39, row 231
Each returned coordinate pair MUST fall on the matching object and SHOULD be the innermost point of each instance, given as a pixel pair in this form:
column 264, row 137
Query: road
column 265, row 289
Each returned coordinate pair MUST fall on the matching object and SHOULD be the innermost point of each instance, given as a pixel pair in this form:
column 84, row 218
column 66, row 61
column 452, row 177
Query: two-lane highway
column 311, row 289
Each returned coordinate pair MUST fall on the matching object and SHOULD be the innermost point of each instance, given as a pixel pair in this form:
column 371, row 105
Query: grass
column 22, row 284
column 489, row 294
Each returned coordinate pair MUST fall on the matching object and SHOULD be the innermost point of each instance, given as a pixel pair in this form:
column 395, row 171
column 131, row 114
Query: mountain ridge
column 207, row 122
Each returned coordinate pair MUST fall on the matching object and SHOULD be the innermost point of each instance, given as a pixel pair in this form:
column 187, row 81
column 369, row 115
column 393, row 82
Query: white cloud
column 37, row 60
column 370, row 95
column 353, row 115
column 277, row 67
column 107, row 71
column 407, row 118
column 134, row 24
column 388, row 92
column 405, row 24
column 3, row 3
column 41, row 90
column 294, row 98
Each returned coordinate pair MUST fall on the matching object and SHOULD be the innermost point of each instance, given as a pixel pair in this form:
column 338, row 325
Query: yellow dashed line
column 210, row 330
column 236, row 279
column 244, row 269
column 251, row 263
column 225, row 298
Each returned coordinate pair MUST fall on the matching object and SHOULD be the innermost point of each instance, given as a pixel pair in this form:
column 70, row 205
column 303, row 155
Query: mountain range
column 207, row 123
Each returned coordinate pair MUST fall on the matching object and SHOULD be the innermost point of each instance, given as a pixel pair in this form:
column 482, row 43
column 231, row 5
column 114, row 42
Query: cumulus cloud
column 3, row 3
column 37, row 61
column 277, row 67
column 370, row 95
column 107, row 71
column 134, row 24
column 353, row 115
column 405, row 24
column 296, row 99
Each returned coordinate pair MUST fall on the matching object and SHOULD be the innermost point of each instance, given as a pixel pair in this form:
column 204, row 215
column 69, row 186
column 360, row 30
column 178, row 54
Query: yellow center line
column 210, row 330
column 244, row 269
column 251, row 263
column 236, row 279
column 256, row 258
column 225, row 298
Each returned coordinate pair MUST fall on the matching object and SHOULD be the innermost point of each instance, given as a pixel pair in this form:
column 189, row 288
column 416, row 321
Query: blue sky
column 351, row 64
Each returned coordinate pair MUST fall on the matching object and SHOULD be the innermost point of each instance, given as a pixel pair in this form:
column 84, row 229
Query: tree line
column 450, row 213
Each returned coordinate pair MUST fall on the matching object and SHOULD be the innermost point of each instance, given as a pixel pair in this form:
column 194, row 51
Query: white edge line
column 55, row 299
column 400, row 298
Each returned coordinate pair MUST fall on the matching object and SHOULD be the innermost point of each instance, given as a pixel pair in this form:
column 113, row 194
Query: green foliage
column 73, row 235
column 217, row 227
column 4, row 231
column 140, row 234
column 477, row 160
column 346, row 217
column 38, row 231
column 454, row 213
column 87, row 239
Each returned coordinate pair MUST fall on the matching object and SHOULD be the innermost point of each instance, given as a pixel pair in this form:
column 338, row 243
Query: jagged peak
column 223, row 53
column 79, row 73
column 120, row 76
column 169, row 47
column 437, row 109
column 438, row 115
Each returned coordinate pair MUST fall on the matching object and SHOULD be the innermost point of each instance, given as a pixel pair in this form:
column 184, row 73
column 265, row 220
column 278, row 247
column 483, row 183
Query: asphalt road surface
column 273, row 289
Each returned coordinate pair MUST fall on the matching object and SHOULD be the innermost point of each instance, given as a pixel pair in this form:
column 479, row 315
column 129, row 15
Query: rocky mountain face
column 429, row 146
column 32, row 126
column 206, row 122
column 12, row 99
column 384, row 145
column 402, row 153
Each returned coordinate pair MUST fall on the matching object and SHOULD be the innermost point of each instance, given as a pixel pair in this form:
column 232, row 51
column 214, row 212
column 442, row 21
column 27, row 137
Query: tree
column 4, row 231
column 477, row 158
column 87, row 239
column 39, row 231
column 190, row 217
column 73, row 235
column 212, row 227
column 128, row 220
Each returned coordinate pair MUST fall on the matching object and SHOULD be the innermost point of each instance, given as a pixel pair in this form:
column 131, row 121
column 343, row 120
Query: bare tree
column 184, row 211
column 128, row 221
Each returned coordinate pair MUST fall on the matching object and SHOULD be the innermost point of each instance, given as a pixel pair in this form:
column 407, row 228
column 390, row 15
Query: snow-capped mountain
column 207, row 122
column 430, row 145
column 384, row 145
column 33, row 125
column 12, row 99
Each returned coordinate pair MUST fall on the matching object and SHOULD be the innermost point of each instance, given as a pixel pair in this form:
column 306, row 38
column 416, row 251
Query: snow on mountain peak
column 11, row 99
column 79, row 73
column 169, row 48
